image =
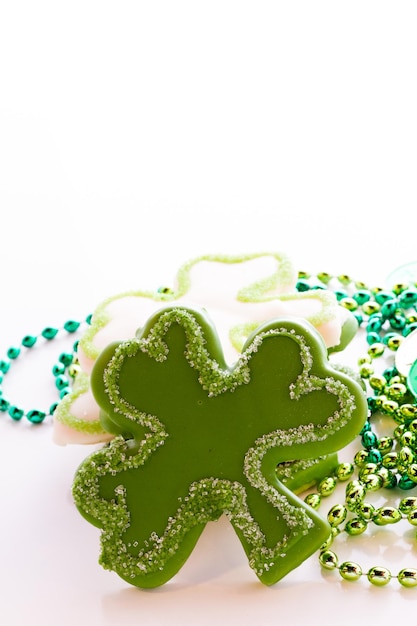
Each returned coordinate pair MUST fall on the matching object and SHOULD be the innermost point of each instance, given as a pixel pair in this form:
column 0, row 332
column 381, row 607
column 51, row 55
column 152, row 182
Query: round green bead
column 29, row 341
column 379, row 576
column 58, row 369
column 35, row 416
column 61, row 382
column 313, row 500
column 66, row 358
column 16, row 413
column 385, row 444
column 356, row 526
column 328, row 559
column 4, row 404
column 407, row 577
column 376, row 349
column 337, row 515
column 344, row 471
column 349, row 303
column 372, row 482
column 49, row 333
column 4, row 366
column 71, row 326
column 13, row 353
column 370, row 308
column 408, row 504
column 366, row 370
column 349, row 570
column 327, row 486
column 366, row 511
column 387, row 515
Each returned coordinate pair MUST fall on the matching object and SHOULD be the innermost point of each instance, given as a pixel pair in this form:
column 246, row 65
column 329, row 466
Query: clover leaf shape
column 202, row 439
column 241, row 292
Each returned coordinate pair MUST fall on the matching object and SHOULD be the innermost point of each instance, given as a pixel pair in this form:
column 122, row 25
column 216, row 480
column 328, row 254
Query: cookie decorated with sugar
column 200, row 438
column 241, row 292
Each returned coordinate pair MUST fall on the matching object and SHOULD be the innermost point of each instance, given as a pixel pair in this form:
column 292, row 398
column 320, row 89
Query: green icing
column 202, row 439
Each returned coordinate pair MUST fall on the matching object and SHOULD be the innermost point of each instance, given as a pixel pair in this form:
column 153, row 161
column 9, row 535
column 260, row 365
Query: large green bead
column 49, row 333
column 71, row 326
column 387, row 515
column 344, row 471
column 313, row 500
column 328, row 559
column 379, row 576
column 16, row 413
column 408, row 504
column 356, row 526
column 13, row 353
column 407, row 577
column 349, row 570
column 35, row 416
column 29, row 341
column 337, row 515
column 327, row 486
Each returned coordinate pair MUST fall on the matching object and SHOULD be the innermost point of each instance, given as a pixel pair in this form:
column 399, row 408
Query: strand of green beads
column 67, row 364
column 353, row 517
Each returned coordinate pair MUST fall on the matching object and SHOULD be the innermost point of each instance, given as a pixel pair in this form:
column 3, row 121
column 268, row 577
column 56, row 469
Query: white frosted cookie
column 240, row 292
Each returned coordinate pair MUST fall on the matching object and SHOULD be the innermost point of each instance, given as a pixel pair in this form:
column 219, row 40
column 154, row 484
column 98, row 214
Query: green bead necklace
column 388, row 462
column 63, row 371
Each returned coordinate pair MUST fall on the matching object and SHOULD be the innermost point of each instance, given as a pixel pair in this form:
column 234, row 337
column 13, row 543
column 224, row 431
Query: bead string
column 65, row 369
column 386, row 462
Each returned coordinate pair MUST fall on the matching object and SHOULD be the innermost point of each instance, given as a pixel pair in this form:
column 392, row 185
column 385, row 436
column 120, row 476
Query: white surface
column 136, row 135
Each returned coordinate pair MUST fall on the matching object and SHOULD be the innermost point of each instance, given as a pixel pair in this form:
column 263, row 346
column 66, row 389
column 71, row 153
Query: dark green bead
column 58, row 369
column 61, row 382
column 369, row 440
column 408, row 298
column 88, row 319
column 66, row 358
column 35, row 416
column 4, row 404
column 409, row 329
column 406, row 483
column 359, row 318
column 398, row 322
column 389, row 308
column 49, row 333
column 29, row 341
column 64, row 392
column 389, row 373
column 375, row 323
column 374, row 456
column 340, row 294
column 13, row 353
column 361, row 296
column 372, row 337
column 53, row 408
column 16, row 413
column 4, row 366
column 302, row 286
column 382, row 297
column 71, row 326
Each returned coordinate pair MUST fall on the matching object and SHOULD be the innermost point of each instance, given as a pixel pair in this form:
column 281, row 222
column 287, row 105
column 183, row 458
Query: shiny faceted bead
column 385, row 444
column 71, row 326
column 349, row 570
column 379, row 576
column 389, row 308
column 412, row 472
column 390, row 460
column 313, row 500
column 409, row 329
column 64, row 392
column 370, row 308
column 412, row 426
column 405, row 456
column 344, row 471
column 408, row 504
column 35, row 416
column 389, row 407
column 65, row 358
column 4, row 366
column 53, row 408
column 383, row 296
column 58, row 369
column 74, row 370
column 398, row 322
column 407, row 298
column 407, row 577
column 399, row 288
column 367, row 469
column 328, row 559
column 372, row 482
column 49, row 333
column 16, row 413
column 337, row 515
column 409, row 411
column 374, row 455
column 378, row 382
column 349, row 303
column 327, row 486
column 340, row 294
column 61, row 382
column 361, row 458
column 372, row 338
column 389, row 373
column 399, row 430
column 4, row 404
column 396, row 391
column 361, row 296
column 324, row 277
column 29, row 341
column 355, row 493
column 369, row 439
column 406, row 483
column 386, row 515
column 394, row 342
column 13, row 353
column 412, row 517
column 356, row 526
column 302, row 285
column 344, row 279
column 366, row 370
column 366, row 511
column 376, row 349
column 408, row 439
column 389, row 479
column 375, row 323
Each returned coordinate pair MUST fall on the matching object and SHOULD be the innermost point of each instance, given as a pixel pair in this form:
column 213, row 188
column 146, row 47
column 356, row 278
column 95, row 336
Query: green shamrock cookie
column 200, row 439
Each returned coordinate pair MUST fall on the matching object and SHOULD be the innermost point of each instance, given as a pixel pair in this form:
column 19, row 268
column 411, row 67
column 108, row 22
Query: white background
column 137, row 135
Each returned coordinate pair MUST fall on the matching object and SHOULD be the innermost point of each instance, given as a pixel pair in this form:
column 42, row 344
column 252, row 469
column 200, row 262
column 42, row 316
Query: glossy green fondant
column 201, row 439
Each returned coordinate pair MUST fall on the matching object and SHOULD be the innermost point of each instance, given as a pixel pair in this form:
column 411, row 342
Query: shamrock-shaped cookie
column 200, row 438
column 240, row 292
